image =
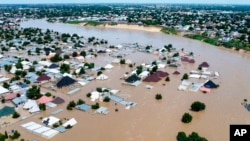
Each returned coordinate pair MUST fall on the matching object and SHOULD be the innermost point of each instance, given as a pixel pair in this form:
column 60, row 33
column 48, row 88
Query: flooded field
column 152, row 119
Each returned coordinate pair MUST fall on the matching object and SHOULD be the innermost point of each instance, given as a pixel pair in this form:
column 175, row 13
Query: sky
column 126, row 1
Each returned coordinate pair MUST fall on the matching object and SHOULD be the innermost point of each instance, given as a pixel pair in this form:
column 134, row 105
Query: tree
column 95, row 106
column 56, row 58
column 6, row 135
column 181, row 136
column 65, row 68
column 186, row 118
column 33, row 92
column 198, row 106
column 7, row 68
column 99, row 73
column 185, row 76
column 167, row 79
column 2, row 137
column 82, row 71
column 42, row 106
column 158, row 96
column 6, row 85
column 15, row 115
column 106, row 99
column 15, row 135
column 83, row 53
column 122, row 61
column 74, row 54
column 66, row 56
column 80, row 101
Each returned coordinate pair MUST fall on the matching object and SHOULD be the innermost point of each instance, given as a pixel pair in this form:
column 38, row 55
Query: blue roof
column 83, row 107
column 52, row 66
column 23, row 85
column 61, row 129
column 116, row 98
column 4, row 62
column 19, row 100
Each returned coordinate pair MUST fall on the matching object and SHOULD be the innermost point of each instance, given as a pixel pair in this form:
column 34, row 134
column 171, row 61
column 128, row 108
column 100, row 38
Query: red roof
column 155, row 77
column 176, row 72
column 43, row 77
column 10, row 96
column 44, row 99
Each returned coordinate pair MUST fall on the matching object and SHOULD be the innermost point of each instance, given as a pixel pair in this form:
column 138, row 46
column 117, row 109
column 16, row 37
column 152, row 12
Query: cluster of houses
column 200, row 80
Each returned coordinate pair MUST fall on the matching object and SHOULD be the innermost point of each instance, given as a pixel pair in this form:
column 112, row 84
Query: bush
column 48, row 94
column 80, row 101
column 15, row 135
column 186, row 118
column 185, row 76
column 158, row 96
column 42, row 107
column 198, row 106
column 167, row 79
column 88, row 95
column 192, row 137
column 95, row 106
column 15, row 115
column 106, row 99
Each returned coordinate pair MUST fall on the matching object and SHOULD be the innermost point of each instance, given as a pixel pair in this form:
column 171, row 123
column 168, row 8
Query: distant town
column 220, row 25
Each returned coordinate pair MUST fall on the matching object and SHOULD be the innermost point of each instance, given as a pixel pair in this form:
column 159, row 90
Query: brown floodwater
column 151, row 119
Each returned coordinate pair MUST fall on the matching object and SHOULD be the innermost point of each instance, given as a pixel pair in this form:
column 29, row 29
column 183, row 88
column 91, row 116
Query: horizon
column 213, row 2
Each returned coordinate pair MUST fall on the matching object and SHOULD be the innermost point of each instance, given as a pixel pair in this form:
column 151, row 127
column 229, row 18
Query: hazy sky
column 127, row 1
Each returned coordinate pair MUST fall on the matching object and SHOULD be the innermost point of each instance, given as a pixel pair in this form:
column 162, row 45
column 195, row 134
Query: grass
column 168, row 30
column 92, row 23
column 73, row 22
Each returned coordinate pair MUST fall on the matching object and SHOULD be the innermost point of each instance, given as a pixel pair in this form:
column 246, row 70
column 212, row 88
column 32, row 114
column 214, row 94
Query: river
column 161, row 121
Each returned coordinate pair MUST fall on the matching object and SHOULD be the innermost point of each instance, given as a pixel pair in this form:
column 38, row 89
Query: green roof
column 5, row 111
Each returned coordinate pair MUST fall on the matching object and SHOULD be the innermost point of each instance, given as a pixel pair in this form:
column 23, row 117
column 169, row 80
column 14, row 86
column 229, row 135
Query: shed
column 83, row 107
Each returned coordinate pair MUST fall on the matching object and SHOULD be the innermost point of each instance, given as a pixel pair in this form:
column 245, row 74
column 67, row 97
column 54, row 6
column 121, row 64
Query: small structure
column 3, row 90
column 176, row 72
column 6, row 111
column 44, row 99
column 102, row 77
column 49, row 121
column 83, row 107
column 70, row 122
column 58, row 100
column 108, row 66
column 102, row 110
column 32, row 106
column 210, row 84
column 43, row 78
column 65, row 81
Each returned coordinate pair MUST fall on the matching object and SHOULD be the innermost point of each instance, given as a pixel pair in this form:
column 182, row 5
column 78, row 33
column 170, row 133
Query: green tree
column 95, row 106
column 42, row 106
column 181, row 136
column 198, row 106
column 106, row 99
column 33, row 92
column 74, row 54
column 6, row 85
column 15, row 115
column 56, row 58
column 158, row 96
column 65, row 68
column 80, row 101
column 83, row 53
column 186, row 118
column 185, row 76
column 122, row 61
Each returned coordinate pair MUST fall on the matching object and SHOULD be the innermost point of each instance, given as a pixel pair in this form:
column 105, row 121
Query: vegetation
column 71, row 105
column 168, row 30
column 198, row 106
column 95, row 106
column 167, row 79
column 80, row 101
column 92, row 23
column 186, row 118
column 15, row 135
column 158, row 96
column 192, row 137
column 185, row 76
column 15, row 115
column 73, row 22
column 42, row 107
column 106, row 99
column 33, row 93
column 122, row 61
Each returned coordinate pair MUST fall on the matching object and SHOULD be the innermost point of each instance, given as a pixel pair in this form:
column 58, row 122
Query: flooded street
column 152, row 120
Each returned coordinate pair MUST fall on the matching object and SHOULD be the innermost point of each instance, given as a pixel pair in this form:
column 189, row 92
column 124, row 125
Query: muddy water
column 151, row 119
